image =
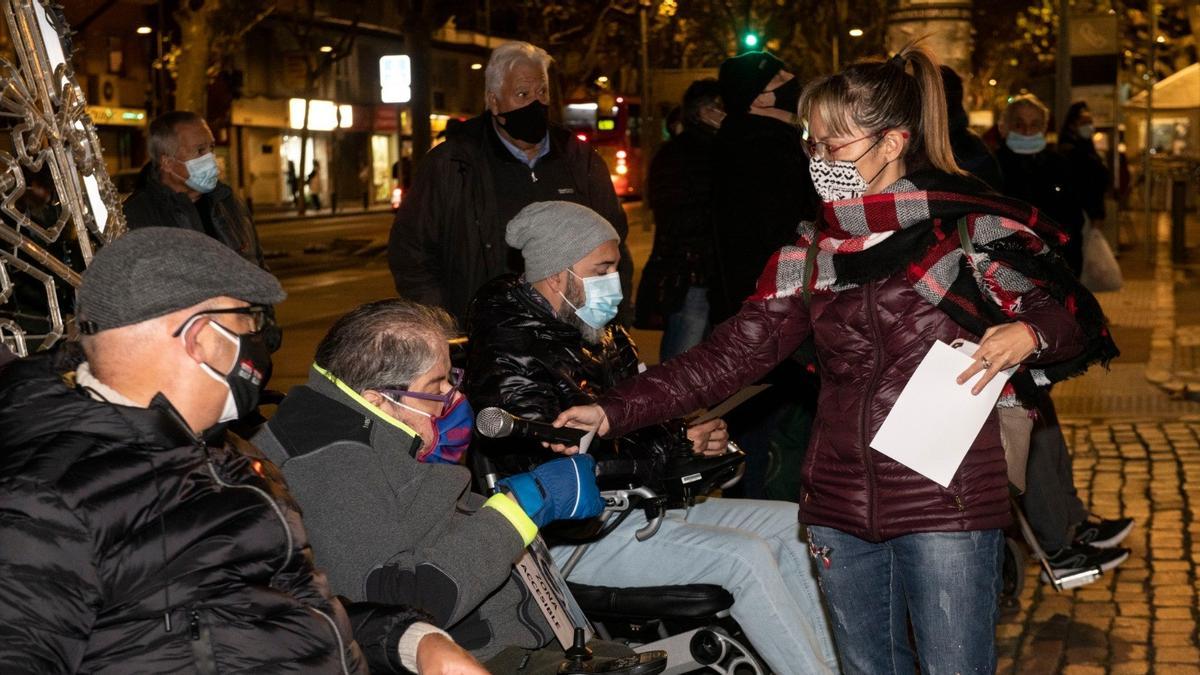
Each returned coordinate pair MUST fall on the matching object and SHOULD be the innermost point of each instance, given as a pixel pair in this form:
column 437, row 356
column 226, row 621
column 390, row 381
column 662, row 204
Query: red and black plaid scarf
column 913, row 228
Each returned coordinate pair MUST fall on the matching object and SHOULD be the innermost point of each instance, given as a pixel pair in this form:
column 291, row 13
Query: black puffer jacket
column 526, row 361
column 127, row 546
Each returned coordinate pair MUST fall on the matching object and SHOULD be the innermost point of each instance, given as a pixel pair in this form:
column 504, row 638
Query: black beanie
column 745, row 76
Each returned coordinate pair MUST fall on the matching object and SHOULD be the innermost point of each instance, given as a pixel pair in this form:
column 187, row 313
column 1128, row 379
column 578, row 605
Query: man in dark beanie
column 762, row 188
column 761, row 191
column 970, row 152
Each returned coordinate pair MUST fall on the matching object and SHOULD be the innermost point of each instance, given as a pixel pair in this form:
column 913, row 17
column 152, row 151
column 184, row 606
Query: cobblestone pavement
column 1141, row 617
column 1136, row 454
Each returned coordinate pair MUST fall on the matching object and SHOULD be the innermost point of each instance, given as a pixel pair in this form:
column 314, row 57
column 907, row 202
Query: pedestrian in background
column 673, row 293
column 761, row 192
column 970, row 152
column 762, row 188
column 1038, row 175
column 180, row 187
column 448, row 237
column 1089, row 173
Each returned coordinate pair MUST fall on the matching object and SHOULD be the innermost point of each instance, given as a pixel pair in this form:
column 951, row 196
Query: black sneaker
column 1103, row 533
column 1081, row 557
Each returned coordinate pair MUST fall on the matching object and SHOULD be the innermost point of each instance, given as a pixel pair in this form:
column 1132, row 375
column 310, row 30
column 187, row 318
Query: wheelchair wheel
column 1012, row 573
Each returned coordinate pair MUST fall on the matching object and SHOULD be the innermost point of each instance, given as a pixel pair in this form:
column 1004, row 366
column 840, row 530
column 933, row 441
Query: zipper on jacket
column 864, row 421
column 201, row 641
column 287, row 530
column 341, row 645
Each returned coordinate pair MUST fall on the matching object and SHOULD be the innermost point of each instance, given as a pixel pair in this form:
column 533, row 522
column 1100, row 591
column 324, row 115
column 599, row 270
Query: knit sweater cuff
column 412, row 639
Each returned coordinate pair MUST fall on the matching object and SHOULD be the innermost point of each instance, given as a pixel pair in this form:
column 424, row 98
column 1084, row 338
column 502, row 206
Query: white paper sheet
column 935, row 420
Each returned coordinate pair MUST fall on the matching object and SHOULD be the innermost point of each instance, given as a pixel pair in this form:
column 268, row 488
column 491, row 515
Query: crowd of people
column 819, row 236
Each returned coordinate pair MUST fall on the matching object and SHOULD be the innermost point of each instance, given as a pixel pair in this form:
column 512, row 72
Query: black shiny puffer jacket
column 127, row 546
column 526, row 361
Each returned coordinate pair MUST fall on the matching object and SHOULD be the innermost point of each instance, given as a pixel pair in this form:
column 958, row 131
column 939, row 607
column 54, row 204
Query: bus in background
column 612, row 126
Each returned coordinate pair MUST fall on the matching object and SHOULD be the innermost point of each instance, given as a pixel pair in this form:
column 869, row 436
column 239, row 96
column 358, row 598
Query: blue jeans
column 947, row 583
column 752, row 549
column 686, row 326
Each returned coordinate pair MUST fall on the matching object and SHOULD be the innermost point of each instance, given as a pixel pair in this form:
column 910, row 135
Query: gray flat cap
column 153, row 271
column 552, row 236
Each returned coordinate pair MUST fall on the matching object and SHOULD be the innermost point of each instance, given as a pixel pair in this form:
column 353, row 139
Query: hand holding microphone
column 497, row 423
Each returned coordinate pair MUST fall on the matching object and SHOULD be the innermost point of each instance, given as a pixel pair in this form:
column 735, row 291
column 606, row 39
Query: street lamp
column 856, row 32
column 992, row 82
column 325, row 49
column 476, row 66
column 144, row 30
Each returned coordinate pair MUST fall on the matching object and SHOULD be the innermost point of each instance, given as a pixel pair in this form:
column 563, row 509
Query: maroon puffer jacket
column 869, row 341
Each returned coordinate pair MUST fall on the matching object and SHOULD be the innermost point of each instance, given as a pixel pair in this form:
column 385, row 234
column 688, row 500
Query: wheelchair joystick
column 578, row 653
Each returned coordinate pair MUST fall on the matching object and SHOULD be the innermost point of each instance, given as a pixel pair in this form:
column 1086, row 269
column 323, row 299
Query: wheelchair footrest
column 695, row 601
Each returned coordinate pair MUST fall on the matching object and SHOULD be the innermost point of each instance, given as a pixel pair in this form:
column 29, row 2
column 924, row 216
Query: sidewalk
column 275, row 214
column 1136, row 452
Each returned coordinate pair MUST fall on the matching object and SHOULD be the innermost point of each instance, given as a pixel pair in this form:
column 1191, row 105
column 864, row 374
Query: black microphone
column 497, row 423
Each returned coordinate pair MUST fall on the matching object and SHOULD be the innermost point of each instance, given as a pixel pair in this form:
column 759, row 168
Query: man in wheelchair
column 367, row 447
column 543, row 342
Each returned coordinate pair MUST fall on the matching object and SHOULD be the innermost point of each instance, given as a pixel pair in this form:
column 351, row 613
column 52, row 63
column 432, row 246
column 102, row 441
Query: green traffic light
column 750, row 40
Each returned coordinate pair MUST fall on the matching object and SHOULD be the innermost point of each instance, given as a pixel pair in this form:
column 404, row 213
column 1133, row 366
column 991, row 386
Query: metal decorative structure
column 57, row 203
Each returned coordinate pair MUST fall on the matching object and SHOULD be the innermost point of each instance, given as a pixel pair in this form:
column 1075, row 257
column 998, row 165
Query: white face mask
column 837, row 180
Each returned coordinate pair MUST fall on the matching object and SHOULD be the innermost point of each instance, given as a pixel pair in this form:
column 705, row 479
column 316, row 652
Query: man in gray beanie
column 546, row 341
column 135, row 536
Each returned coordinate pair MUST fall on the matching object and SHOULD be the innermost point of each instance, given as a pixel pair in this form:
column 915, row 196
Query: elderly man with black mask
column 448, row 236
column 132, row 538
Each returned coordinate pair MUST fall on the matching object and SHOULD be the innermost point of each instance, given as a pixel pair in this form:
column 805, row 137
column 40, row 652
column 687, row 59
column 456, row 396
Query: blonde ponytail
column 935, row 121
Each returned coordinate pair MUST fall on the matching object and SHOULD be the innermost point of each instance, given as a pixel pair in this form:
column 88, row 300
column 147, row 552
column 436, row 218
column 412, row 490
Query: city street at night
column 636, row 337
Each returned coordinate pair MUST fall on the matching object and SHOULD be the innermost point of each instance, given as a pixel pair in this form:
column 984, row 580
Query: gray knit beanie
column 552, row 236
column 153, row 271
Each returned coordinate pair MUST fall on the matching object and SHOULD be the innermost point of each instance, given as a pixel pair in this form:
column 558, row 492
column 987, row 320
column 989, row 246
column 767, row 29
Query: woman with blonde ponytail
column 907, row 251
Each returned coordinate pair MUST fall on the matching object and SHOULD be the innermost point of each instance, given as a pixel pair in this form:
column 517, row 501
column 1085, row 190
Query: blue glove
column 562, row 489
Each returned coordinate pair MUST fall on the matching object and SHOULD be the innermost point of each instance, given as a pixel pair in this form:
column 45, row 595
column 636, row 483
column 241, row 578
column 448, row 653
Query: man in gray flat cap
column 131, row 540
column 547, row 341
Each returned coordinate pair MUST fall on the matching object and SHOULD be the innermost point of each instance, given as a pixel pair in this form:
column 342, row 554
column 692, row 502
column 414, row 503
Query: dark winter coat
column 448, row 239
column 1044, row 180
column 526, row 361
column 680, row 193
column 972, row 155
column 869, row 341
column 127, row 545
column 153, row 204
column 762, row 190
column 1089, row 174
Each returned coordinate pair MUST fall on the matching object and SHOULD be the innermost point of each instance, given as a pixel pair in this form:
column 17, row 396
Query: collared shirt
column 543, row 149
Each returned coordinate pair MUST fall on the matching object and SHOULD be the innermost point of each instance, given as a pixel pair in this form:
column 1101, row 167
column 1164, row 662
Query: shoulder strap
column 964, row 236
column 810, row 262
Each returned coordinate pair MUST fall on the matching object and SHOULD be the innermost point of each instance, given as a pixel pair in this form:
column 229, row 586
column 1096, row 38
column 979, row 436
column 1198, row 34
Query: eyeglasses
column 455, row 379
column 822, row 150
column 260, row 315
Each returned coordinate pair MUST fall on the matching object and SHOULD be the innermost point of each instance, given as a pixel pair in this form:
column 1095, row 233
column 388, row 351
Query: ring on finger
column 985, row 361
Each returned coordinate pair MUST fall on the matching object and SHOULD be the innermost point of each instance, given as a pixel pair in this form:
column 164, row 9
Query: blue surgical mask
column 602, row 295
column 1086, row 131
column 1025, row 145
column 202, row 173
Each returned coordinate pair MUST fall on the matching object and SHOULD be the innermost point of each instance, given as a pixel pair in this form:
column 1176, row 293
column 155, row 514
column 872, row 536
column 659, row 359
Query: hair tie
column 898, row 60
